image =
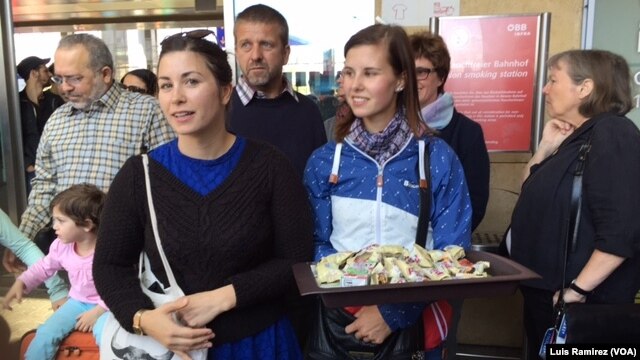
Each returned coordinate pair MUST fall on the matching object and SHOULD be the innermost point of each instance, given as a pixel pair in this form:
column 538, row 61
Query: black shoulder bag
column 327, row 338
column 592, row 323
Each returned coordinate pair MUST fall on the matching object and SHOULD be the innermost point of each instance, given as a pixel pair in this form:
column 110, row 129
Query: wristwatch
column 136, row 322
column 573, row 286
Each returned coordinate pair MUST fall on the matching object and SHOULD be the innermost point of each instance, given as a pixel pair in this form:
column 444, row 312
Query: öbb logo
column 517, row 27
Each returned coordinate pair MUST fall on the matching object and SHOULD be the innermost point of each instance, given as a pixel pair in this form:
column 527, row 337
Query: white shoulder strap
column 154, row 223
column 421, row 169
column 333, row 178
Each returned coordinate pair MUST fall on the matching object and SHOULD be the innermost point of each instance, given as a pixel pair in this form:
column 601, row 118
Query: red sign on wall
column 492, row 77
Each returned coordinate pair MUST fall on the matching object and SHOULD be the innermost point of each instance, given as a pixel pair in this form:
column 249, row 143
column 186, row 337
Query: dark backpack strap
column 574, row 218
column 576, row 194
column 424, row 216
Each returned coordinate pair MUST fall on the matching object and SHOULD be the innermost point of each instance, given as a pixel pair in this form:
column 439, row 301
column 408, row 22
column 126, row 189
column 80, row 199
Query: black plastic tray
column 505, row 275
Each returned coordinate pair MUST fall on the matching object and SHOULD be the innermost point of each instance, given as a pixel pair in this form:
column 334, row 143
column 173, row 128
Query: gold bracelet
column 137, row 328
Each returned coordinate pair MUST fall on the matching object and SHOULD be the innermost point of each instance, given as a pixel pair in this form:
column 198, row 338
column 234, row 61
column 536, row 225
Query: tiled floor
column 25, row 316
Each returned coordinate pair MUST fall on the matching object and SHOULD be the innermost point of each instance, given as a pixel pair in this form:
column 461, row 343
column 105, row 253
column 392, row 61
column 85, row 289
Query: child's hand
column 14, row 293
column 87, row 319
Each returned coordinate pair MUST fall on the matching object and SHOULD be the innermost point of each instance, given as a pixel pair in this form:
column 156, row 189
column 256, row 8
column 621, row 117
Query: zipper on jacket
column 379, row 184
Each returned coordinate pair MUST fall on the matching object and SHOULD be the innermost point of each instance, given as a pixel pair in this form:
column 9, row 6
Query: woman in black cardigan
column 587, row 95
column 232, row 217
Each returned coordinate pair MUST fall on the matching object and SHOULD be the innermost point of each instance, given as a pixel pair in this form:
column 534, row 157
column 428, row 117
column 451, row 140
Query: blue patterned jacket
column 355, row 212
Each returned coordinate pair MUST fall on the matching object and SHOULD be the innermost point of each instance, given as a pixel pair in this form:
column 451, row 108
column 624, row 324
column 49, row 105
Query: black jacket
column 33, row 118
column 467, row 140
column 609, row 212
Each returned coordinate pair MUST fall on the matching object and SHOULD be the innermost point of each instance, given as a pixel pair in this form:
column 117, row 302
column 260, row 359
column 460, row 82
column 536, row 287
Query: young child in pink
column 76, row 216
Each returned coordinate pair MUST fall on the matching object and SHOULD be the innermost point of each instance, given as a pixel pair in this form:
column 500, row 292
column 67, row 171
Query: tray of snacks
column 381, row 274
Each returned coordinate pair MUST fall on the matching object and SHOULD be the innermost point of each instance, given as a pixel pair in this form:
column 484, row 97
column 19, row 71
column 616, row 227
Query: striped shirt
column 90, row 147
column 246, row 92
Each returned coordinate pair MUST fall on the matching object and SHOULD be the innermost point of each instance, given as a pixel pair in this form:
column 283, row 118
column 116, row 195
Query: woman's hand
column 570, row 296
column 554, row 133
column 203, row 307
column 86, row 320
column 14, row 293
column 160, row 325
column 369, row 326
column 597, row 269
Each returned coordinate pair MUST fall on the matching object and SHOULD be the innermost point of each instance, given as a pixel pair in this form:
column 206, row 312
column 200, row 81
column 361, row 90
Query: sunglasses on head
column 193, row 34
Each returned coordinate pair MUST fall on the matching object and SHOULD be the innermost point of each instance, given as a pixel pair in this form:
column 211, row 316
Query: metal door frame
column 10, row 130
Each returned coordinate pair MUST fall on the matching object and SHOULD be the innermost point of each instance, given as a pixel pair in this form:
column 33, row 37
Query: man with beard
column 87, row 139
column 264, row 105
column 35, row 108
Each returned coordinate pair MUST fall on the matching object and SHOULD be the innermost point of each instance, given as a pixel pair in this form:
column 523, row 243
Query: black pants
column 538, row 316
column 300, row 310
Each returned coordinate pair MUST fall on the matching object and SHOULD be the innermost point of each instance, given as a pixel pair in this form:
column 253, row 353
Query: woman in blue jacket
column 364, row 188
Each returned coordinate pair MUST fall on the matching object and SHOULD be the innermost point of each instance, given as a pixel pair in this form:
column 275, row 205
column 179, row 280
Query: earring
column 399, row 88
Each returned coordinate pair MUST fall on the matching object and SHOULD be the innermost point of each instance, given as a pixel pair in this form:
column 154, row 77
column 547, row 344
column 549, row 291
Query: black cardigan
column 467, row 140
column 247, row 232
column 610, row 208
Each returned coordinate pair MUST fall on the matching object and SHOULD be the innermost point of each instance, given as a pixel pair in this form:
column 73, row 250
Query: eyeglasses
column 193, row 34
column 133, row 88
column 73, row 80
column 423, row 73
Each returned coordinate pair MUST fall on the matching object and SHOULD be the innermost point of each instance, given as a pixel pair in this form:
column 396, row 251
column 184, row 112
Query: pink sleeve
column 42, row 270
column 102, row 304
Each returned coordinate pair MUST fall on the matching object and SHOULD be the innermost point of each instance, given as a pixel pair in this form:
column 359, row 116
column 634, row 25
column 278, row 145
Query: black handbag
column 592, row 323
column 602, row 323
column 328, row 339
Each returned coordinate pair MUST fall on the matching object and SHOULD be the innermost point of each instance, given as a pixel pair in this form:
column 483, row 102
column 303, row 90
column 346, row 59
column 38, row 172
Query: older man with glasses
column 87, row 139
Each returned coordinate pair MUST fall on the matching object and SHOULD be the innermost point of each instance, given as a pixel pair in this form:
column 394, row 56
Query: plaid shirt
column 246, row 92
column 90, row 147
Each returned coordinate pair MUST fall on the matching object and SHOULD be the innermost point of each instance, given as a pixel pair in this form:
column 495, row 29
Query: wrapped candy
column 437, row 255
column 455, row 252
column 422, row 257
column 396, row 251
column 393, row 264
column 338, row 258
column 328, row 272
column 480, row 268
